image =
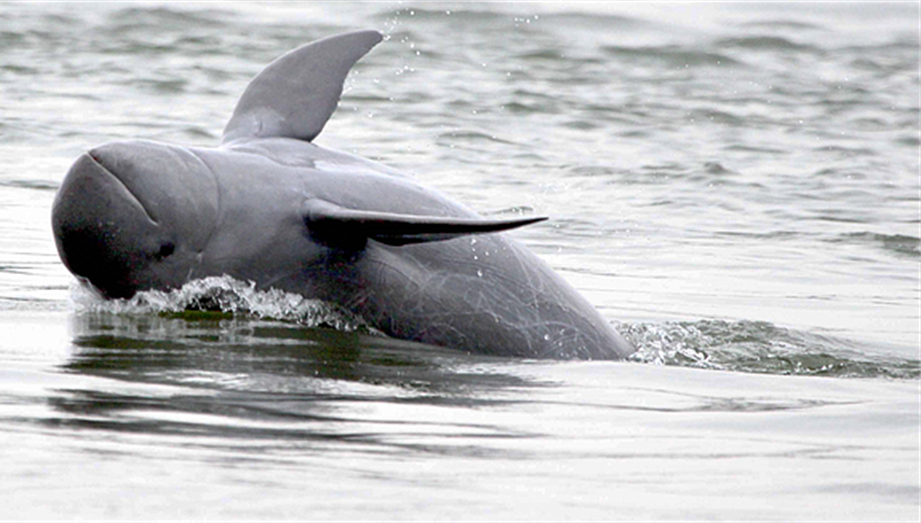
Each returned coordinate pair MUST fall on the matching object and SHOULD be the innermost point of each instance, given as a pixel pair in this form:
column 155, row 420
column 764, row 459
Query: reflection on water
column 211, row 374
column 201, row 414
column 161, row 348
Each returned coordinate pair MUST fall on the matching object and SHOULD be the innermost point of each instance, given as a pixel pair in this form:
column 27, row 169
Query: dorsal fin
column 337, row 226
column 295, row 95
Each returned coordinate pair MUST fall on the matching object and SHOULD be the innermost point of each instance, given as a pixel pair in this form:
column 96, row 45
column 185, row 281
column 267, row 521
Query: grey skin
column 270, row 207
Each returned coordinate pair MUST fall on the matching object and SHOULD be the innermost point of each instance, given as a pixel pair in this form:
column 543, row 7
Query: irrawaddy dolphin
column 270, row 207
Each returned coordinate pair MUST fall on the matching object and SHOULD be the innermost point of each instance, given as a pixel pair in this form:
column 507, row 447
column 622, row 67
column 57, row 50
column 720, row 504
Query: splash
column 226, row 295
column 761, row 347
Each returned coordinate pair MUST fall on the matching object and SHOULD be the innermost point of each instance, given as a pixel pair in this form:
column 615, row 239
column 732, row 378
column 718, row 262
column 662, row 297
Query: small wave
column 718, row 169
column 747, row 148
column 162, row 85
column 553, row 54
column 765, row 43
column 909, row 140
column 518, row 210
column 899, row 244
column 845, row 152
column 40, row 185
column 491, row 16
column 19, row 69
column 604, row 22
column 130, row 19
column 472, row 136
column 760, row 347
column 796, row 25
column 718, row 116
column 225, row 295
column 671, row 55
column 427, row 14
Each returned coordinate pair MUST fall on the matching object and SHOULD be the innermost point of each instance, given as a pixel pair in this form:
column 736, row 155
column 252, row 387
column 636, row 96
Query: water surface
column 735, row 187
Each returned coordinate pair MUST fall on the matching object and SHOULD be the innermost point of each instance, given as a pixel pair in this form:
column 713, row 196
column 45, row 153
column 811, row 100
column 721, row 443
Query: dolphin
column 270, row 207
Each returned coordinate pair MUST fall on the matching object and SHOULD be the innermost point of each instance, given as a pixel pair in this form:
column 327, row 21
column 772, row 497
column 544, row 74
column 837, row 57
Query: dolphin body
column 270, row 207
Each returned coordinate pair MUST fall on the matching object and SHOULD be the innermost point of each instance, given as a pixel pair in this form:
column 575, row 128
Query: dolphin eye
column 166, row 249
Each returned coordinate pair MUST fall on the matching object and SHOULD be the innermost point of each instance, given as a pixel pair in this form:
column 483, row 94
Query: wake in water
column 761, row 347
column 742, row 346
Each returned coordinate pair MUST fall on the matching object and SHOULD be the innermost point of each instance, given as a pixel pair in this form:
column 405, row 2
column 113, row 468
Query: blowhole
column 166, row 249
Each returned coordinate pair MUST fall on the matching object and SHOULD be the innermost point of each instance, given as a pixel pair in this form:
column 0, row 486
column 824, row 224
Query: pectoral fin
column 338, row 226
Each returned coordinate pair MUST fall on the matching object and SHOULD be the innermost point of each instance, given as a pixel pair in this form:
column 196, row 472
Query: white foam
column 227, row 295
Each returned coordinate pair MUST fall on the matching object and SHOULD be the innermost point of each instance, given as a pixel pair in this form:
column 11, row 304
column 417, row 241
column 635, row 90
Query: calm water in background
column 735, row 186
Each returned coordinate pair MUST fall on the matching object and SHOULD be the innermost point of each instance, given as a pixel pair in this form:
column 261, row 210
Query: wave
column 761, row 347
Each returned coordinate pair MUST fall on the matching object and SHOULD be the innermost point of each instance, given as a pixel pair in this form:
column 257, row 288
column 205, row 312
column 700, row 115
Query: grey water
column 736, row 187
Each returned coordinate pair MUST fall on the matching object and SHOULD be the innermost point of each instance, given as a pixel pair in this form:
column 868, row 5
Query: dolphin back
column 294, row 96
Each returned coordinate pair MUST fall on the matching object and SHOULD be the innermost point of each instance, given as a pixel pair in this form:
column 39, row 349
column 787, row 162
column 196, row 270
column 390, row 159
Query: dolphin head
column 135, row 215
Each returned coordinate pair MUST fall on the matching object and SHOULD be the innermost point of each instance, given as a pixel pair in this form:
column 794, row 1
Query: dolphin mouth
column 130, row 195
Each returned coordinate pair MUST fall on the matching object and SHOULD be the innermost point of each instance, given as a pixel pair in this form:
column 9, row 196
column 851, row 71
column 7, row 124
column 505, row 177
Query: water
column 736, row 187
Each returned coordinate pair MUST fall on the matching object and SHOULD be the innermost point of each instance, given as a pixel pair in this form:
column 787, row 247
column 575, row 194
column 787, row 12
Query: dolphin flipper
column 295, row 95
column 337, row 226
